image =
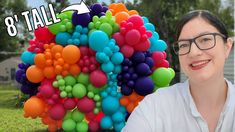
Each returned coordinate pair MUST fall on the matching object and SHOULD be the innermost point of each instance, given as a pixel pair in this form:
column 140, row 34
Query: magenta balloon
column 119, row 39
column 57, row 112
column 136, row 20
column 127, row 51
column 132, row 37
column 46, row 90
column 157, row 55
column 165, row 64
column 98, row 78
column 142, row 46
column 85, row 105
column 69, row 104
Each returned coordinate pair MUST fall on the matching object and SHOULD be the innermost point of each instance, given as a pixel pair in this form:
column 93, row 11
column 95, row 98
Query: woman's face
column 201, row 65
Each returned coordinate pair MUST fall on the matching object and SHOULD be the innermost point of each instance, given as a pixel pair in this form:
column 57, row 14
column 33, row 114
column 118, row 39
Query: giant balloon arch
column 89, row 71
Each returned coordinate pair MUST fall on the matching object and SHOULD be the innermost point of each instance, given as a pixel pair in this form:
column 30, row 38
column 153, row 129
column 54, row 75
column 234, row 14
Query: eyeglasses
column 203, row 42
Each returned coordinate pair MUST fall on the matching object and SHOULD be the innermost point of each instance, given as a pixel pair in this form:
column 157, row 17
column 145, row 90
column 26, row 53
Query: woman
column 206, row 101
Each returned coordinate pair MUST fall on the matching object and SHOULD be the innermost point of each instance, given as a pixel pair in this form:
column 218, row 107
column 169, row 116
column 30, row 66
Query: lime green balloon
column 63, row 94
column 70, row 80
column 90, row 94
column 61, row 82
column 82, row 127
column 95, row 19
column 61, row 88
column 96, row 97
column 83, row 78
column 108, row 14
column 107, row 28
column 91, row 25
column 55, row 84
column 79, row 91
column 162, row 77
column 93, row 89
column 172, row 72
column 77, row 116
column 103, row 19
column 68, row 88
column 58, row 77
column 69, row 125
column 96, row 110
column 116, row 28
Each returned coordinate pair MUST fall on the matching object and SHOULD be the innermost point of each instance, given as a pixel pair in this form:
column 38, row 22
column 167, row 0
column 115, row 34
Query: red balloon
column 90, row 116
column 136, row 20
column 119, row 39
column 98, row 78
column 164, row 63
column 44, row 35
column 57, row 112
column 127, row 51
column 93, row 126
column 86, row 105
column 157, row 55
column 142, row 46
column 69, row 104
column 132, row 37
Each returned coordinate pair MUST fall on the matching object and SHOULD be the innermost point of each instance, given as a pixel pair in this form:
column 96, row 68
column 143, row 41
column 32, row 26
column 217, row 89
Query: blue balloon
column 118, row 126
column 62, row 38
column 102, row 57
column 98, row 40
column 107, row 67
column 83, row 39
column 117, row 69
column 117, row 58
column 118, row 117
column 110, row 105
column 28, row 57
column 149, row 26
column 145, row 19
column 106, row 122
column 161, row 45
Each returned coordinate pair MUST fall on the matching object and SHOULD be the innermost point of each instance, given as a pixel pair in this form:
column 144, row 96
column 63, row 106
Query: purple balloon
column 126, row 90
column 81, row 19
column 149, row 61
column 97, row 8
column 131, row 83
column 138, row 57
column 144, row 86
column 142, row 69
column 105, row 8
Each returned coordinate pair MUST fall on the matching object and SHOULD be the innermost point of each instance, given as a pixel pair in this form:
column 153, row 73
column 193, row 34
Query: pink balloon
column 132, row 37
column 57, row 112
column 85, row 105
column 164, row 63
column 98, row 78
column 136, row 20
column 69, row 104
column 142, row 46
column 127, row 51
column 165, row 55
column 157, row 55
column 119, row 39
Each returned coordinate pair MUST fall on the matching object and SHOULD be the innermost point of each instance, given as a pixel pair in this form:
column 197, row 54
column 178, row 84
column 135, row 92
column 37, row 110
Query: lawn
column 11, row 117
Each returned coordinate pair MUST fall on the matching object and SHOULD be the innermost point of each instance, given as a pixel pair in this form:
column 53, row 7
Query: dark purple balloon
column 125, row 68
column 97, row 8
column 144, row 86
column 134, row 76
column 127, row 76
column 81, row 19
column 130, row 83
column 126, row 90
column 142, row 69
column 105, row 8
column 138, row 57
column 149, row 61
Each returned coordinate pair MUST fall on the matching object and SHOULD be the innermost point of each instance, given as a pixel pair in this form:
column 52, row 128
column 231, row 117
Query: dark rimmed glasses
column 203, row 42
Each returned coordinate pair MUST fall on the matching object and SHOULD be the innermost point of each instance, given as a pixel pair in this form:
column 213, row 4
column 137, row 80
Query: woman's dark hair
column 207, row 16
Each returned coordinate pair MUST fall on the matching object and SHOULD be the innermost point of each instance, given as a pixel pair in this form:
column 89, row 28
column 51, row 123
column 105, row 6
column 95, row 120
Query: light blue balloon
column 62, row 38
column 118, row 117
column 107, row 67
column 106, row 122
column 161, row 45
column 110, row 105
column 117, row 58
column 98, row 40
column 145, row 19
column 117, row 69
column 102, row 57
column 107, row 51
column 149, row 26
column 83, row 39
column 28, row 57
column 79, row 28
column 155, row 35
column 76, row 35
column 118, row 126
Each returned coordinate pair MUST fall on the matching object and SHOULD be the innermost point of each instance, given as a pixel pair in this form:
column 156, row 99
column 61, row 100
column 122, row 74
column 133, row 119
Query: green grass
column 11, row 118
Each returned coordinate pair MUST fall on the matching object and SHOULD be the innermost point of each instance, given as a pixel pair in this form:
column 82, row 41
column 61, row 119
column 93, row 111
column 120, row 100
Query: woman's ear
column 228, row 46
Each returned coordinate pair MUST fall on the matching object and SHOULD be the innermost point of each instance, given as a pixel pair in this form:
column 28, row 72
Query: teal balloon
column 62, row 38
column 77, row 116
column 161, row 45
column 82, row 127
column 110, row 105
column 117, row 69
column 28, row 57
column 118, row 126
column 117, row 58
column 98, row 40
column 83, row 39
column 83, row 78
column 145, row 19
column 107, row 67
column 69, row 125
column 162, row 77
column 106, row 122
column 79, row 91
column 149, row 26
column 70, row 80
column 118, row 117
column 102, row 57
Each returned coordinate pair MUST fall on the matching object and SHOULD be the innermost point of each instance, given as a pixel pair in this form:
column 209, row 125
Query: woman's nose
column 194, row 50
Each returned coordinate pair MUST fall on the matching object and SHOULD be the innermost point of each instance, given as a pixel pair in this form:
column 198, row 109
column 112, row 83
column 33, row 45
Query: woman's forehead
column 196, row 27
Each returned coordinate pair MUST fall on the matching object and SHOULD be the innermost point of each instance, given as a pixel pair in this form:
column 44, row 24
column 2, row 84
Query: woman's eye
column 183, row 46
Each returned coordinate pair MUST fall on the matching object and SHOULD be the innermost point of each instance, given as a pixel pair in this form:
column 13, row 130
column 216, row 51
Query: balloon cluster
column 89, row 71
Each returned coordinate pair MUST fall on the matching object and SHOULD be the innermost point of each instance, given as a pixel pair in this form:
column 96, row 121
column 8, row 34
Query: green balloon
column 69, row 125
column 96, row 97
column 68, row 88
column 93, row 89
column 55, row 84
column 63, row 94
column 70, row 80
column 107, row 28
column 82, row 127
column 79, row 91
column 90, row 94
column 77, row 116
column 68, row 115
column 61, row 82
column 162, row 77
column 83, row 78
column 58, row 77
column 172, row 72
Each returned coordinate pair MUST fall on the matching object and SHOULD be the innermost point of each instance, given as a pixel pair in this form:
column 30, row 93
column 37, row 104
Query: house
column 8, row 69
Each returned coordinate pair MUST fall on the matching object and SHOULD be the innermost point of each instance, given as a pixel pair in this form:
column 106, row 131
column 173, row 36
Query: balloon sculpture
column 89, row 71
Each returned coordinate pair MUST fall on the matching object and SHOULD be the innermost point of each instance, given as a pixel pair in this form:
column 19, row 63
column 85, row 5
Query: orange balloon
column 49, row 72
column 133, row 12
column 58, row 69
column 34, row 107
column 120, row 7
column 65, row 73
column 34, row 74
column 121, row 16
column 56, row 49
column 40, row 60
column 124, row 100
column 74, row 69
column 130, row 107
column 71, row 54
